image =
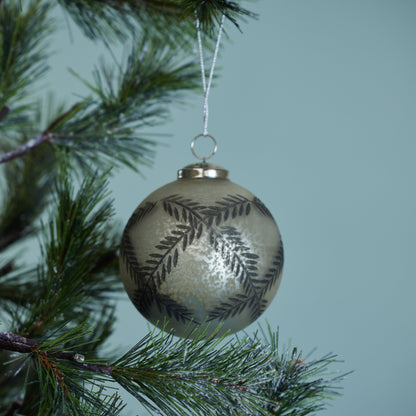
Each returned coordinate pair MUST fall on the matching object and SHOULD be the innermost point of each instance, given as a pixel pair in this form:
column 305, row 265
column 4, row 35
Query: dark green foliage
column 23, row 34
column 76, row 280
column 124, row 101
column 64, row 389
column 111, row 19
column 25, row 191
column 303, row 387
column 78, row 247
column 209, row 12
column 202, row 376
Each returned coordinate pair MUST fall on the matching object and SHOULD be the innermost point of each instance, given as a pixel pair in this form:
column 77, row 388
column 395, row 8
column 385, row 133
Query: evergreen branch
column 16, row 287
column 209, row 12
column 111, row 19
column 28, row 181
column 25, row 148
column 302, row 387
column 57, row 374
column 16, row 121
column 184, row 376
column 21, row 288
column 194, row 375
column 77, row 246
column 50, row 357
column 23, row 35
column 106, row 128
column 17, row 343
column 41, row 138
column 26, row 189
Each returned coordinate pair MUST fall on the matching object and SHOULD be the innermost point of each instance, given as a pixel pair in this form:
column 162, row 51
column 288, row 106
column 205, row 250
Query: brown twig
column 45, row 136
column 17, row 343
column 26, row 148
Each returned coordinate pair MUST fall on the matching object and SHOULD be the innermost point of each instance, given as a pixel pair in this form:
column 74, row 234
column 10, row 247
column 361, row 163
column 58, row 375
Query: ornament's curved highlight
column 201, row 249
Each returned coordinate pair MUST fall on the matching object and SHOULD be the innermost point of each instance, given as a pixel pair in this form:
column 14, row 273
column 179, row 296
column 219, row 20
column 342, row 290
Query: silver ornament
column 201, row 250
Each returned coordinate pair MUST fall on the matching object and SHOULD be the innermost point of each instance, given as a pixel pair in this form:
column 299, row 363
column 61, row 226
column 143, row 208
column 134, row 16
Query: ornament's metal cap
column 203, row 170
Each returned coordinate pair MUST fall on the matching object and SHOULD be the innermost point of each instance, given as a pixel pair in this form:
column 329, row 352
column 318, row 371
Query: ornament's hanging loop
column 207, row 85
column 203, row 158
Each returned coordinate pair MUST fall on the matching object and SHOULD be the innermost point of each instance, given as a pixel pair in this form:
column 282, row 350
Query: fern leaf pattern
column 236, row 255
column 143, row 299
column 192, row 221
column 127, row 252
column 274, row 272
column 258, row 308
column 165, row 305
column 228, row 207
column 262, row 208
column 243, row 263
column 172, row 309
column 231, row 307
column 162, row 262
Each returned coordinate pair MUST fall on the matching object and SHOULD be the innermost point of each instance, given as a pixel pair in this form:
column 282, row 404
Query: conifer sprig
column 24, row 30
column 111, row 19
column 193, row 375
column 301, row 386
column 135, row 98
column 77, row 244
column 202, row 375
column 209, row 12
column 25, row 187
column 56, row 384
column 114, row 19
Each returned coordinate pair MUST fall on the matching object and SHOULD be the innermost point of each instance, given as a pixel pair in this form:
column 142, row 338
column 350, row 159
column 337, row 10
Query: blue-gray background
column 314, row 112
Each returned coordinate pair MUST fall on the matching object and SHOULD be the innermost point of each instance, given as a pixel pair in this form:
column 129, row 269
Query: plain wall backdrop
column 314, row 112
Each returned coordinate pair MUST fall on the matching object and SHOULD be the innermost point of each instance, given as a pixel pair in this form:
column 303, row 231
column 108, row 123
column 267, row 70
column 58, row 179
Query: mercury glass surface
column 201, row 250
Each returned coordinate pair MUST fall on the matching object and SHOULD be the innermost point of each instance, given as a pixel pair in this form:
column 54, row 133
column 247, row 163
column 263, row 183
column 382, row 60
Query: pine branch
column 23, row 35
column 112, row 19
column 125, row 103
column 57, row 377
column 25, row 148
column 209, row 12
column 25, row 190
column 71, row 281
column 184, row 376
column 98, row 129
column 302, row 387
column 194, row 375
column 17, row 343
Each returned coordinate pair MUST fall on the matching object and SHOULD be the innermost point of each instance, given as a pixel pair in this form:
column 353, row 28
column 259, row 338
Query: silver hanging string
column 207, row 86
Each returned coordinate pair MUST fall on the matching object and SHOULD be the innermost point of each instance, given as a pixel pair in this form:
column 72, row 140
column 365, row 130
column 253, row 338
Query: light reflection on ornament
column 201, row 250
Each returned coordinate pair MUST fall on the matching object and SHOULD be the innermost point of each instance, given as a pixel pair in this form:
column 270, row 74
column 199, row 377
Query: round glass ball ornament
column 201, row 250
